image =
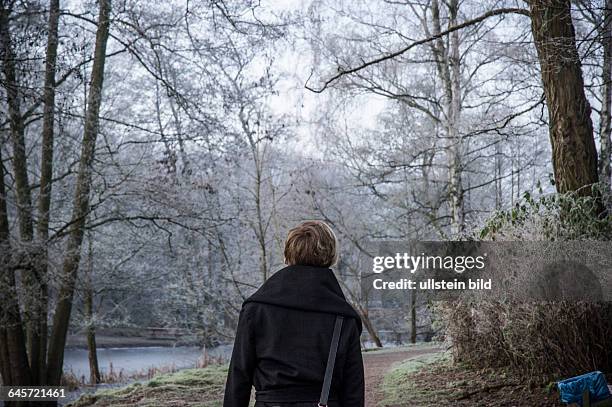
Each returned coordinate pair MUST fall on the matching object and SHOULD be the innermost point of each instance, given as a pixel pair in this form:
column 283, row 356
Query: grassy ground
column 431, row 380
column 425, row 381
column 191, row 387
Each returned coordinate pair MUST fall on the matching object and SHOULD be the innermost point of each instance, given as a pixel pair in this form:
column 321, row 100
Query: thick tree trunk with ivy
column 80, row 211
column 569, row 112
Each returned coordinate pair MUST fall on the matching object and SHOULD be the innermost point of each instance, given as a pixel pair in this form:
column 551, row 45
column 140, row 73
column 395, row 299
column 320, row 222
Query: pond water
column 130, row 361
column 134, row 360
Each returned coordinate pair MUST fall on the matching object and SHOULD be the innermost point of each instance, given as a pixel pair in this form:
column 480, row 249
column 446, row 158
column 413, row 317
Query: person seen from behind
column 285, row 332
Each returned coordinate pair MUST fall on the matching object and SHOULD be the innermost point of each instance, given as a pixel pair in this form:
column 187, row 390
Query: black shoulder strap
column 331, row 361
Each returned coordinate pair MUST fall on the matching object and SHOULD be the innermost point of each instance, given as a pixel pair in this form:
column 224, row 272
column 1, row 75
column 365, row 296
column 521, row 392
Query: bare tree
column 38, row 343
column 61, row 317
column 20, row 368
column 446, row 81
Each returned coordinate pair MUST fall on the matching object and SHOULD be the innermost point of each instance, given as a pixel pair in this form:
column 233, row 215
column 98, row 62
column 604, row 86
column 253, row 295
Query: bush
column 544, row 340
column 550, row 217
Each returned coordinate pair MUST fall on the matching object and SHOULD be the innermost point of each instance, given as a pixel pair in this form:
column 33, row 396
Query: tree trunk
column 13, row 339
column 22, row 183
column 25, row 256
column 448, row 66
column 498, row 176
column 371, row 331
column 456, row 164
column 569, row 112
column 605, row 128
column 258, row 155
column 365, row 318
column 72, row 258
column 92, row 349
column 413, row 318
column 15, row 369
column 5, row 251
column 260, row 228
column 5, row 369
column 46, row 177
column 92, row 355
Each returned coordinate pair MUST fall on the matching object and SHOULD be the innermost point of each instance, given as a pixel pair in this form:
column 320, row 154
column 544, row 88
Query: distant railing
column 158, row 333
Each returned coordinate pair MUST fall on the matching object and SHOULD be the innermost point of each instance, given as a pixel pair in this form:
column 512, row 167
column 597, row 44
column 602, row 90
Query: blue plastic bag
column 571, row 389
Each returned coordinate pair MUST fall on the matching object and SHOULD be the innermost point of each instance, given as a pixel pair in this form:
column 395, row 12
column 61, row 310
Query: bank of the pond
column 190, row 387
column 204, row 387
column 433, row 380
column 137, row 361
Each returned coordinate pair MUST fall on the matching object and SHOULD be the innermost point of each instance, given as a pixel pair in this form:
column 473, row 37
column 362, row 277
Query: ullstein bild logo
column 513, row 271
column 432, row 284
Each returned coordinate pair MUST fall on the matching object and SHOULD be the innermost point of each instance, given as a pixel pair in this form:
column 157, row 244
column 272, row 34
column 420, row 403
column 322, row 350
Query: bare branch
column 344, row 72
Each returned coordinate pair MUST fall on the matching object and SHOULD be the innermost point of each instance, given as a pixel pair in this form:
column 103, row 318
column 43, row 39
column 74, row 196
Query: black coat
column 283, row 340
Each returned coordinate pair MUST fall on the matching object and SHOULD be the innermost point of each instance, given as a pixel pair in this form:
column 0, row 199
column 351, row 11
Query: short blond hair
column 312, row 243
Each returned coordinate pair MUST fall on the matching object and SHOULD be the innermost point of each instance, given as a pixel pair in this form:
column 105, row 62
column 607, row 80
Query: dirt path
column 376, row 365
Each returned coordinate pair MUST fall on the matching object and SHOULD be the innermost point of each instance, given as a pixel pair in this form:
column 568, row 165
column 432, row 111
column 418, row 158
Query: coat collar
column 305, row 288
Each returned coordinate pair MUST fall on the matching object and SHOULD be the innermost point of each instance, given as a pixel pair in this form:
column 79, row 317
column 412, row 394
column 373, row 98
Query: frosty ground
column 404, row 376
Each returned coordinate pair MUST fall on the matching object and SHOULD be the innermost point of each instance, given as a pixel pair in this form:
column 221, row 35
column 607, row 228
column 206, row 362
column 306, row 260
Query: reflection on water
column 130, row 361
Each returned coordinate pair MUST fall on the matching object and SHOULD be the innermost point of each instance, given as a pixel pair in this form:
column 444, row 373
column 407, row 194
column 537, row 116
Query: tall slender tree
column 38, row 343
column 81, row 201
column 16, row 258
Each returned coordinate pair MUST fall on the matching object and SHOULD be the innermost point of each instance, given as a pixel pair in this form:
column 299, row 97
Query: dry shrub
column 545, row 340
column 206, row 360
